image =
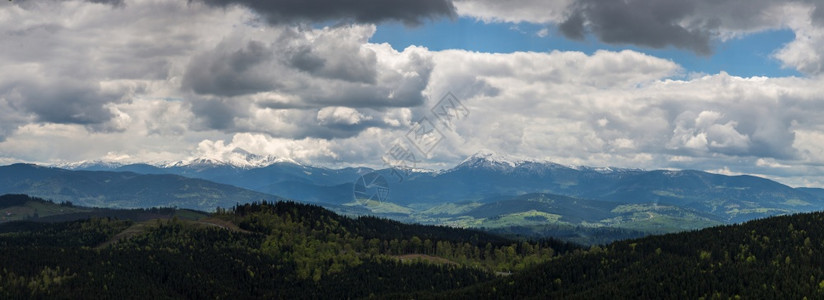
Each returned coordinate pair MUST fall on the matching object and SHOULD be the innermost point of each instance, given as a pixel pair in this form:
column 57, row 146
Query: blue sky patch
column 747, row 56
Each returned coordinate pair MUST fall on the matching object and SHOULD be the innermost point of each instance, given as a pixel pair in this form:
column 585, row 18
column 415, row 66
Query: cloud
column 62, row 100
column 62, row 70
column 241, row 65
column 652, row 23
column 708, row 133
column 544, row 32
column 696, row 26
column 818, row 15
column 10, row 119
column 627, row 109
column 303, row 150
column 534, row 11
column 311, row 68
column 230, row 70
column 36, row 2
column 804, row 53
column 689, row 25
column 284, row 81
column 340, row 115
column 216, row 113
column 142, row 85
column 361, row 11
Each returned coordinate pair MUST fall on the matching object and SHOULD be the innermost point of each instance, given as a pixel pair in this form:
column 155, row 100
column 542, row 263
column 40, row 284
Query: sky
column 726, row 86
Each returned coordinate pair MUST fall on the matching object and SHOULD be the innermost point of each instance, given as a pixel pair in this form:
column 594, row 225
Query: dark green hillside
column 292, row 250
column 777, row 258
column 576, row 234
column 367, row 227
column 18, row 207
column 262, row 250
column 323, row 231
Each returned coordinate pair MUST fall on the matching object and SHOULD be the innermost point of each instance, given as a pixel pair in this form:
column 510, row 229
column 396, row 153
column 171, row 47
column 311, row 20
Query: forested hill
column 774, row 258
column 261, row 250
column 19, row 207
column 367, row 227
column 293, row 250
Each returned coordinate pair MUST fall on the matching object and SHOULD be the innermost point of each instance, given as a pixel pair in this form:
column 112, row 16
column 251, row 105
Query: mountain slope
column 776, row 258
column 287, row 179
column 264, row 250
column 121, row 189
column 732, row 198
column 486, row 175
column 18, row 207
column 817, row 192
column 292, row 250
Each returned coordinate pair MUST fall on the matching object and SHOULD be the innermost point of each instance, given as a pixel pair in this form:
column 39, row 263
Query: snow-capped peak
column 606, row 170
column 506, row 163
column 89, row 164
column 238, row 157
column 490, row 159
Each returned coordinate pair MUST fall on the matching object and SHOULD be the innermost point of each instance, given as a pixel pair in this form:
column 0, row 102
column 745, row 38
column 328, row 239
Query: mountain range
column 485, row 190
column 122, row 189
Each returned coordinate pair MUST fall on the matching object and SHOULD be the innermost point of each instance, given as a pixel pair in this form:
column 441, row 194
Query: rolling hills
column 774, row 258
column 122, row 189
column 267, row 250
column 541, row 208
column 293, row 250
column 18, row 207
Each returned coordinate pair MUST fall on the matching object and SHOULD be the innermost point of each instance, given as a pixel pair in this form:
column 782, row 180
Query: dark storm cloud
column 231, row 115
column 10, row 119
column 361, row 69
column 26, row 3
column 650, row 23
column 63, row 101
column 229, row 72
column 364, row 11
column 240, row 68
column 301, row 68
column 216, row 114
column 573, row 27
column 112, row 2
column 688, row 25
column 818, row 15
column 406, row 94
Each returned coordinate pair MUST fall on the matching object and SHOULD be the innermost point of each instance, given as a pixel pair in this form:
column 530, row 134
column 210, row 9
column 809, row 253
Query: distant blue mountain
column 733, row 198
column 485, row 176
column 122, row 189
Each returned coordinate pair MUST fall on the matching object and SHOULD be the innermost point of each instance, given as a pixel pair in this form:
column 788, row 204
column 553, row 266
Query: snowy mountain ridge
column 237, row 158
column 242, row 159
